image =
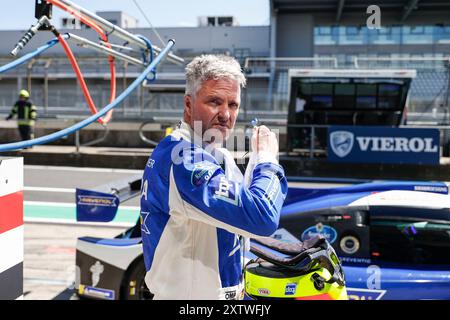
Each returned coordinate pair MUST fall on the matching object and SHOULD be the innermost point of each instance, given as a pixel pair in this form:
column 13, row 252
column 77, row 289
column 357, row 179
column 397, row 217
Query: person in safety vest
column 26, row 115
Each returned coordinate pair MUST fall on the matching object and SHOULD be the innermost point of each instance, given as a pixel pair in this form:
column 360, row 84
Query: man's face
column 215, row 106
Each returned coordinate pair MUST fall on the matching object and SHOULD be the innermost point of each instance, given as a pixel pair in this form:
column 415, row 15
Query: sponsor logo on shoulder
column 202, row 173
column 328, row 232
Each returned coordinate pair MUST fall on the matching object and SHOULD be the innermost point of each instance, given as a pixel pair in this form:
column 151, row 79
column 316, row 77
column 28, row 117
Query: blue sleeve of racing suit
column 208, row 196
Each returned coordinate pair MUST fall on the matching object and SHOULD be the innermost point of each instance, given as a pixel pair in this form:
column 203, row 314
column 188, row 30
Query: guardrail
column 289, row 61
column 402, row 60
column 93, row 142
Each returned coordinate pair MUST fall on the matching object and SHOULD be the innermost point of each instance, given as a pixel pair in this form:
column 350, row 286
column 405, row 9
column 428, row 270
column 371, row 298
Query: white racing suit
column 192, row 215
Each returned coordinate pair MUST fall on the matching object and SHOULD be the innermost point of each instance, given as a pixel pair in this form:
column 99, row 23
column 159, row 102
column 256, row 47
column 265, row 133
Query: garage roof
column 403, row 9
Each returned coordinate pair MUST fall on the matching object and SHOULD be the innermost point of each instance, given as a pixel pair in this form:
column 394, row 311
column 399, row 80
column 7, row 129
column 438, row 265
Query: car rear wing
column 101, row 203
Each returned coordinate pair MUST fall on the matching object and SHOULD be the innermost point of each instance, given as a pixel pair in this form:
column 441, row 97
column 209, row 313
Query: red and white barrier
column 11, row 228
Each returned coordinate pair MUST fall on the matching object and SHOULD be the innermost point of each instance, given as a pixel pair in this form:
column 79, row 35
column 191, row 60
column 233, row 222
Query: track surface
column 50, row 246
column 49, row 258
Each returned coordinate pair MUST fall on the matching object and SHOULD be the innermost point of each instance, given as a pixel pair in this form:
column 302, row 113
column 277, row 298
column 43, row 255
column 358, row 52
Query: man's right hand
column 264, row 142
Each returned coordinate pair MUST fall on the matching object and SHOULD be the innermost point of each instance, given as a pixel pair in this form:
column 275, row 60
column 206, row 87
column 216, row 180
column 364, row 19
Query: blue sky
column 163, row 13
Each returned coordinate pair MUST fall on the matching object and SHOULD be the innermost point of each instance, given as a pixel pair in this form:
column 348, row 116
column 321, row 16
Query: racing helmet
column 307, row 270
column 24, row 93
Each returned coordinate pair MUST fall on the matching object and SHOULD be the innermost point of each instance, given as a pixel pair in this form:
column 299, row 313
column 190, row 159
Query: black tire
column 134, row 287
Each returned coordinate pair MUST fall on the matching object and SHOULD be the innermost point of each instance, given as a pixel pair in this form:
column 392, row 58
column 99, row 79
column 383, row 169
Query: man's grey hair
column 207, row 67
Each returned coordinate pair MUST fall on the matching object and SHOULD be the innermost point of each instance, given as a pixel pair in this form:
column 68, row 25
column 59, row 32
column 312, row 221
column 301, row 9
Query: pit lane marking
column 45, row 281
column 36, row 167
column 69, row 205
column 43, row 189
column 65, row 213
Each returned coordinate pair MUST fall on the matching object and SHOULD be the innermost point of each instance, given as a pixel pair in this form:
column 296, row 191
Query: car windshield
column 410, row 240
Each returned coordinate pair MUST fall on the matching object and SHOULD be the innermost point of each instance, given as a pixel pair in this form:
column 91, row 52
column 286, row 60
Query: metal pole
column 311, row 146
column 124, row 83
column 47, row 65
column 246, row 103
column 108, row 26
column 447, row 94
column 119, row 32
column 29, row 70
column 19, row 83
column 141, row 101
column 77, row 141
column 82, row 42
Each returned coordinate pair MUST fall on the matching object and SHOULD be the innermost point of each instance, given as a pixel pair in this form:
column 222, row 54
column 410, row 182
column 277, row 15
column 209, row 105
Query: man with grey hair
column 194, row 213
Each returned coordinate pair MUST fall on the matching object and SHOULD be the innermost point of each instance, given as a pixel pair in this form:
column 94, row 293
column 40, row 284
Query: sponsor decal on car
column 97, row 201
column 349, row 244
column 356, row 260
column 365, row 294
column 96, row 292
column 320, row 229
column 96, row 206
column 96, row 270
column 431, row 189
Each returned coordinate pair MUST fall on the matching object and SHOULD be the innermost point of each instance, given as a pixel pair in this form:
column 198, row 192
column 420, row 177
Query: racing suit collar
column 185, row 132
column 221, row 154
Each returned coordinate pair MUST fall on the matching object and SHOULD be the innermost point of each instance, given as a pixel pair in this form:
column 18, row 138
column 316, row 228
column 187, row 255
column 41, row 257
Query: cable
column 148, row 21
column 95, row 117
column 150, row 49
column 80, row 77
column 111, row 60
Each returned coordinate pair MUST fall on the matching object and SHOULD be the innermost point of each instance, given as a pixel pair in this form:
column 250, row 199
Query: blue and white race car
column 393, row 239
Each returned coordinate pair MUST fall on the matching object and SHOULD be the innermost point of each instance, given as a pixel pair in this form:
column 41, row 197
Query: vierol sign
column 383, row 145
